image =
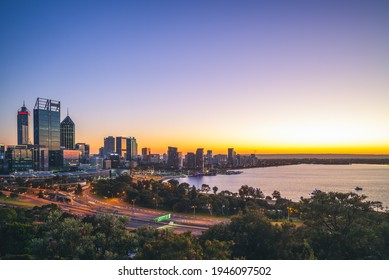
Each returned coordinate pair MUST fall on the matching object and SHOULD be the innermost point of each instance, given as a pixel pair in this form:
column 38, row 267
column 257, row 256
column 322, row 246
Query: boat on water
column 358, row 188
column 200, row 174
column 233, row 172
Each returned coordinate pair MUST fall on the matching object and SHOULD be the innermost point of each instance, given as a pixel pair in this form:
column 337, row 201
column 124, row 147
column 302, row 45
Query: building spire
column 24, row 103
column 68, row 111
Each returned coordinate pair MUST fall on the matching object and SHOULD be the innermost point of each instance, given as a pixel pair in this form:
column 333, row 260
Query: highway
column 88, row 204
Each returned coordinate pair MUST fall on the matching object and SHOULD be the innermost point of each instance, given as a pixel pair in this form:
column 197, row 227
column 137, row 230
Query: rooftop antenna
column 68, row 111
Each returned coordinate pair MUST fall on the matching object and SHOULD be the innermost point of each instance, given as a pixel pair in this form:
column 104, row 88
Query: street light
column 156, row 202
column 133, row 205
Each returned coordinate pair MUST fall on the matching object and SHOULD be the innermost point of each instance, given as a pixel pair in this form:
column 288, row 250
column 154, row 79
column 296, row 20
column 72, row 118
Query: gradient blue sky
column 269, row 76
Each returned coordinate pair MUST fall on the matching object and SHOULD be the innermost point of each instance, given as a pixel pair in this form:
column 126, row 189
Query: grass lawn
column 16, row 202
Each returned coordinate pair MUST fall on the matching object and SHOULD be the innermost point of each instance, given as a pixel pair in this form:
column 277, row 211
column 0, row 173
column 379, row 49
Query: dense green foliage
column 47, row 233
column 173, row 196
column 334, row 226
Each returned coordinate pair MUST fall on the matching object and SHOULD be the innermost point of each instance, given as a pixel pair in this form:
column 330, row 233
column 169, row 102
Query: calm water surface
column 294, row 181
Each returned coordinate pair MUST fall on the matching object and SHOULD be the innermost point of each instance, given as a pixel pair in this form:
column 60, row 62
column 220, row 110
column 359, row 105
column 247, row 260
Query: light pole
column 133, row 205
column 156, row 202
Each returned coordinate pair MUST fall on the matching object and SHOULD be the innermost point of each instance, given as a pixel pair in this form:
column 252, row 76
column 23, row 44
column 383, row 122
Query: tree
column 78, row 190
column 244, row 191
column 276, row 194
column 253, row 237
column 258, row 193
column 215, row 189
column 166, row 245
column 342, row 226
column 205, row 188
column 112, row 238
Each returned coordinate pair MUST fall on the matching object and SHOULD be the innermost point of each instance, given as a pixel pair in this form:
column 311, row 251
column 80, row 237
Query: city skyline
column 260, row 77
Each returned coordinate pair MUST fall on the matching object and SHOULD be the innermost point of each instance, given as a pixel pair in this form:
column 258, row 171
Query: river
column 295, row 181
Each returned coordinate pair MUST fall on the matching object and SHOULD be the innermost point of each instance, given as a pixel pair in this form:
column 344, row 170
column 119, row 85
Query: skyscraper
column 146, row 154
column 47, row 123
column 121, row 143
column 231, row 157
column 172, row 158
column 190, row 160
column 200, row 159
column 23, row 125
column 209, row 158
column 109, row 145
column 132, row 148
column 67, row 133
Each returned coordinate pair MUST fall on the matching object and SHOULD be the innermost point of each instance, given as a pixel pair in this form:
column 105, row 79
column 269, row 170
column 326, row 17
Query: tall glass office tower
column 23, row 125
column 68, row 133
column 132, row 148
column 47, row 123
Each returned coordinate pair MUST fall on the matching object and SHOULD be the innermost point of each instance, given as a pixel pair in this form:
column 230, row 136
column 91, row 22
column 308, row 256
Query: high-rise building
column 109, row 145
column 132, row 148
column 3, row 162
column 146, row 154
column 220, row 160
column 2, row 151
column 200, row 159
column 83, row 152
column 47, row 123
column 19, row 158
column 115, row 160
column 40, row 158
column 180, row 160
column 23, row 126
column 68, row 130
column 172, row 158
column 121, row 143
column 209, row 158
column 155, row 158
column 231, row 157
column 190, row 160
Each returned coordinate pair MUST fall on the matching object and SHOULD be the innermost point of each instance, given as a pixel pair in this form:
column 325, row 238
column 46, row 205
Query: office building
column 97, row 162
column 121, row 143
column 3, row 161
column 132, row 148
column 19, row 158
column 145, row 153
column 190, row 161
column 101, row 152
column 23, row 122
column 155, row 158
column 172, row 158
column 220, row 160
column 115, row 160
column 47, row 123
column 200, row 159
column 180, row 160
column 83, row 151
column 109, row 145
column 209, row 159
column 231, row 157
column 2, row 151
column 64, row 160
column 40, row 157
column 67, row 133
